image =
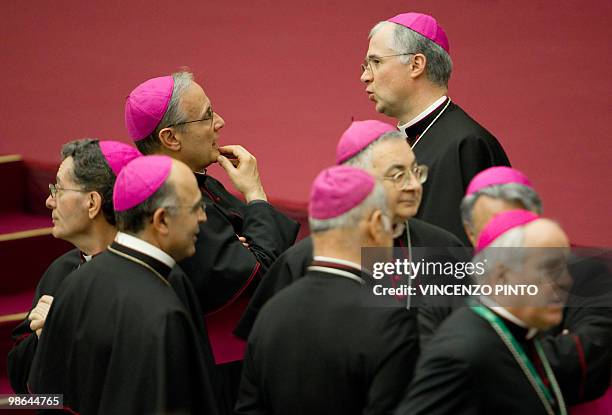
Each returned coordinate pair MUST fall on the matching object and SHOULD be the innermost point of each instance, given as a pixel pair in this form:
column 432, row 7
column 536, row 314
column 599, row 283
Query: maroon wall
column 284, row 75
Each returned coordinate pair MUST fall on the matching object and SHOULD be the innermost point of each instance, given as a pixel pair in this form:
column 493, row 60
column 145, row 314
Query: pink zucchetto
column 424, row 25
column 139, row 179
column 117, row 154
column 501, row 223
column 495, row 176
column 146, row 105
column 337, row 190
column 358, row 136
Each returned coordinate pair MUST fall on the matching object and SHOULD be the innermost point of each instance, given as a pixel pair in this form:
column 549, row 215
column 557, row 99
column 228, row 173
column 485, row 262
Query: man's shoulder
column 462, row 124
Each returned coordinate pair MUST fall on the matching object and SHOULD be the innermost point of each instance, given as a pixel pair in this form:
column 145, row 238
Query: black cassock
column 467, row 370
column 224, row 273
column 121, row 338
column 21, row 355
column 292, row 265
column 319, row 347
column 455, row 148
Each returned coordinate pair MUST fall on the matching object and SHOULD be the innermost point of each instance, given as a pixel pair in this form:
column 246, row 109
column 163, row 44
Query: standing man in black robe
column 81, row 202
column 406, row 73
column 580, row 348
column 119, row 339
column 320, row 346
column 487, row 358
column 172, row 115
column 381, row 150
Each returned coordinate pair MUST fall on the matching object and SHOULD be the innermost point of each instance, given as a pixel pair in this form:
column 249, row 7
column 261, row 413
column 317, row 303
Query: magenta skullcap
column 358, row 136
column 117, row 154
column 139, row 179
column 338, row 189
column 501, row 223
column 495, row 176
column 425, row 25
column 146, row 105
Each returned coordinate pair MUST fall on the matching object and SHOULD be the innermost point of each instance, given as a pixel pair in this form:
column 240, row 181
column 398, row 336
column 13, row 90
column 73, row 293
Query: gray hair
column 134, row 220
column 364, row 158
column 439, row 65
column 173, row 115
column 92, row 172
column 509, row 192
column 376, row 200
column 507, row 249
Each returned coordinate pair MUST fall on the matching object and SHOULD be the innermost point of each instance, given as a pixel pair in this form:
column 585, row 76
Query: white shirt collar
column 337, row 261
column 502, row 312
column 422, row 115
column 87, row 258
column 144, row 247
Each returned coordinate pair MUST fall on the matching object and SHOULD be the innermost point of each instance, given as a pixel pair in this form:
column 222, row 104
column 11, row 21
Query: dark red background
column 284, row 75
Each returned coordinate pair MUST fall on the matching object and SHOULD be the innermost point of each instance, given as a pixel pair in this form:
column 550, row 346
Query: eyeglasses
column 208, row 115
column 200, row 204
column 371, row 63
column 401, row 179
column 55, row 188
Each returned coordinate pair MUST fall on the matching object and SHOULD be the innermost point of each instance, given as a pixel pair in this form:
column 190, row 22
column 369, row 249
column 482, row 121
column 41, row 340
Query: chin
column 403, row 214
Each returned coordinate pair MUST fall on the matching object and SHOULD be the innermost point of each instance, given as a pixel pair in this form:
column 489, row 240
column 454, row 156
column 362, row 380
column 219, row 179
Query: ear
column 376, row 229
column 417, row 65
column 169, row 140
column 160, row 221
column 94, row 204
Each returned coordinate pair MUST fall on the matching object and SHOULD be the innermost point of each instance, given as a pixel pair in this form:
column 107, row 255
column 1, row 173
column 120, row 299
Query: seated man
column 381, row 150
column 487, row 359
column 319, row 347
column 172, row 115
column 81, row 202
column 119, row 339
column 580, row 348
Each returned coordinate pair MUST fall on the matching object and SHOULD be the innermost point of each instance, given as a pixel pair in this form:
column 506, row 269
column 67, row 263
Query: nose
column 366, row 76
column 219, row 122
column 202, row 216
column 50, row 202
column 412, row 184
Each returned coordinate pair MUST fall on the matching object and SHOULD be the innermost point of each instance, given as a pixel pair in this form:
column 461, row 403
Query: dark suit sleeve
column 398, row 344
column 268, row 232
column 222, row 267
column 20, row 357
column 19, row 360
column 287, row 268
column 249, row 396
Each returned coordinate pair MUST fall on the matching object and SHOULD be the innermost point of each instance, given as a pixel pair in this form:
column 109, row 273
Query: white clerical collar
column 335, row 271
column 87, row 258
column 504, row 313
column 337, row 261
column 144, row 247
column 422, row 115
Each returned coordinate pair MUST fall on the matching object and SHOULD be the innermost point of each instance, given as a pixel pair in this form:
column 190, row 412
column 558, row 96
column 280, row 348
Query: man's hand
column 245, row 175
column 244, row 241
column 38, row 315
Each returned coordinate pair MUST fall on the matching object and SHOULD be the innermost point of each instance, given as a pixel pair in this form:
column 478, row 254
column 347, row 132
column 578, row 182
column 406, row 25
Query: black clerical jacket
column 466, row 369
column 124, row 337
column 318, row 348
column 455, row 148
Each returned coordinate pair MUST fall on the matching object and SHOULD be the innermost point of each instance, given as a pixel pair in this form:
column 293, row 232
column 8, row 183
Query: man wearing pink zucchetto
column 406, row 73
